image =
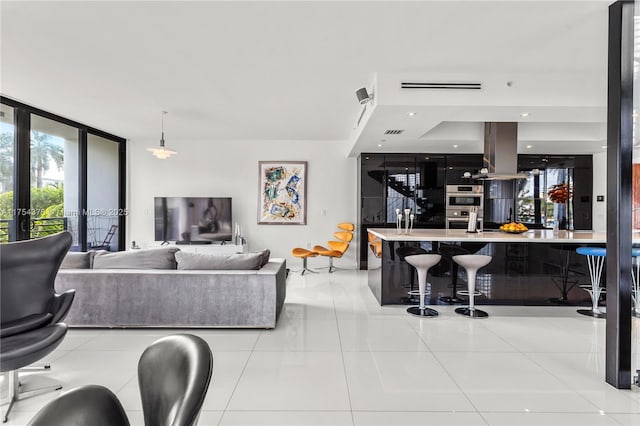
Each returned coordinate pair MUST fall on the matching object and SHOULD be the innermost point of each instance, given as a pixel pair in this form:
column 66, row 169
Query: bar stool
column 471, row 263
column 635, row 293
column 422, row 263
column 595, row 259
column 402, row 253
column 564, row 282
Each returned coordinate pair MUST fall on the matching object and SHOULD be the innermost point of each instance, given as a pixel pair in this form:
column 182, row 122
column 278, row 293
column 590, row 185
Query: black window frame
column 22, row 185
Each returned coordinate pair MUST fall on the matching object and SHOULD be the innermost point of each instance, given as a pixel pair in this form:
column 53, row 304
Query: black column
column 619, row 194
column 122, row 195
column 22, row 175
column 82, row 189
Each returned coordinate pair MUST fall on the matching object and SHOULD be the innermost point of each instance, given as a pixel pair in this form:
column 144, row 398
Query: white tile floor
column 338, row 358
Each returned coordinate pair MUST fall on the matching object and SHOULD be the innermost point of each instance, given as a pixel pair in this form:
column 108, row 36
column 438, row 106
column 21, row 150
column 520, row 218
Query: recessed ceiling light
column 379, row 145
column 411, row 114
column 455, row 146
column 604, row 147
column 524, row 114
column 529, row 146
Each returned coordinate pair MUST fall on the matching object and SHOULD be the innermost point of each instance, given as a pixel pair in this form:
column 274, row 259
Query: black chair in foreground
column 31, row 312
column 20, row 350
column 174, row 375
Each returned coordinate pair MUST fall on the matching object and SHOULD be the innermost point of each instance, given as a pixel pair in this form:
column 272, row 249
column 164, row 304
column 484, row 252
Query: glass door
column 53, row 179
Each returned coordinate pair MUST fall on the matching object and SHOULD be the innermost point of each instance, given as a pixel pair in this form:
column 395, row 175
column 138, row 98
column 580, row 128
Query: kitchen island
column 538, row 267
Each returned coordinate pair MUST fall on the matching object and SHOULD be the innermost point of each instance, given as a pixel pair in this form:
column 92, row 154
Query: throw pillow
column 264, row 256
column 205, row 261
column 77, row 260
column 156, row 258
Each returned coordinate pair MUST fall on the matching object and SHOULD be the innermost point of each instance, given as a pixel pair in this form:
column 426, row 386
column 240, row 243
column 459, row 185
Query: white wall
column 230, row 169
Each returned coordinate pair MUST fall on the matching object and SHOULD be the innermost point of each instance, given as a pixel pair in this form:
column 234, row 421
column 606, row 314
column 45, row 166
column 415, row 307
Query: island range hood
column 500, row 152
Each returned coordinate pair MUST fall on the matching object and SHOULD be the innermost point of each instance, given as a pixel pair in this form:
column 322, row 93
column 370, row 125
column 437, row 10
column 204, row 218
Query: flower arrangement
column 560, row 193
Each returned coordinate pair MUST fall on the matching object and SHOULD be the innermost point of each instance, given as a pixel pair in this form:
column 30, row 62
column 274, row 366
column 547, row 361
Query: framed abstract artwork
column 282, row 192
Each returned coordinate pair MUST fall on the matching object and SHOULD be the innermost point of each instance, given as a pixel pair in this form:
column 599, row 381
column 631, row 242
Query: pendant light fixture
column 162, row 152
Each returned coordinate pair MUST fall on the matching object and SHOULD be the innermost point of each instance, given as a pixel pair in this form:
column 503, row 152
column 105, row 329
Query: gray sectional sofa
column 148, row 288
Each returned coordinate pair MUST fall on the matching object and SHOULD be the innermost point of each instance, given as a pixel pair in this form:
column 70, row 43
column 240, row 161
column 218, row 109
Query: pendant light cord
column 162, row 137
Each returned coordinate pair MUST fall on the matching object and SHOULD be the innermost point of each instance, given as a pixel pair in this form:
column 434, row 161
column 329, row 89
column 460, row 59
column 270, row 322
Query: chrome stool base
column 472, row 313
column 592, row 313
column 426, row 312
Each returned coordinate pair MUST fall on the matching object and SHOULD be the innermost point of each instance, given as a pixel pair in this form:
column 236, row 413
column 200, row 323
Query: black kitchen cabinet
column 430, row 190
column 458, row 164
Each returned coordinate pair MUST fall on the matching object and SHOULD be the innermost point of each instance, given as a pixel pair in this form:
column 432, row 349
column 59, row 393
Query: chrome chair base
column 16, row 393
column 472, row 313
column 426, row 312
column 304, row 268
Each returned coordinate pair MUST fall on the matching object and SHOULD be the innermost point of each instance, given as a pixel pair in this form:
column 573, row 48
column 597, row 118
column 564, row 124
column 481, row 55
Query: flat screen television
column 192, row 219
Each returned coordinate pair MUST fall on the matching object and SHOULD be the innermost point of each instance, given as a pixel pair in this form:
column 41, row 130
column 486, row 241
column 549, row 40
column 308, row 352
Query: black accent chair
column 90, row 405
column 174, row 375
column 28, row 270
column 31, row 311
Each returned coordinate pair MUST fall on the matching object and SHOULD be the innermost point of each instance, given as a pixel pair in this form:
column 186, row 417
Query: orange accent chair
column 375, row 244
column 337, row 248
column 304, row 254
column 346, row 226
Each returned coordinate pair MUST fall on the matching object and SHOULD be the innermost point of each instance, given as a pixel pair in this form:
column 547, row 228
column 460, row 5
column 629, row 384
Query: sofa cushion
column 77, row 260
column 205, row 261
column 264, row 256
column 156, row 258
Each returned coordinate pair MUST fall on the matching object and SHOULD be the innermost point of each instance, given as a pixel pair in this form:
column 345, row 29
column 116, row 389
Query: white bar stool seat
column 471, row 263
column 422, row 263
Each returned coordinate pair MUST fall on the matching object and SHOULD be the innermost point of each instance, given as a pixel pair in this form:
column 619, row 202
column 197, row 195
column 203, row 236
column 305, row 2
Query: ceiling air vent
column 393, row 132
column 456, row 86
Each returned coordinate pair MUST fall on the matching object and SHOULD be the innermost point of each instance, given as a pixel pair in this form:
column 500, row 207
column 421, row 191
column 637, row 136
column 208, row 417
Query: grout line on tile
column 344, row 366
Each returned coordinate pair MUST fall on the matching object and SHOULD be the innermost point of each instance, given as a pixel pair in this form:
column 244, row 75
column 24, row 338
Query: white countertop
column 532, row 236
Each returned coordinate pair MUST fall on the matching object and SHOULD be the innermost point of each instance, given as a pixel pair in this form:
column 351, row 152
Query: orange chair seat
column 376, row 247
column 303, row 253
column 322, row 251
column 346, row 226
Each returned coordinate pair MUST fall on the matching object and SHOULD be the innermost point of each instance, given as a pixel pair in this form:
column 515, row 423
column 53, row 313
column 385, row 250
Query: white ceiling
column 272, row 70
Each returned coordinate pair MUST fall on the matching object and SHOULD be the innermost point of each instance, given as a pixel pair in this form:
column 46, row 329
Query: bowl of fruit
column 514, row 228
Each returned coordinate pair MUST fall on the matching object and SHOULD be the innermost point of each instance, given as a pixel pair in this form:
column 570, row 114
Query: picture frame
column 282, row 191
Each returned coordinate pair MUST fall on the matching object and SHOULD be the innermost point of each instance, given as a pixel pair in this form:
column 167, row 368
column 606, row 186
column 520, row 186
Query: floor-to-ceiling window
column 57, row 174
column 102, row 192
column 53, row 178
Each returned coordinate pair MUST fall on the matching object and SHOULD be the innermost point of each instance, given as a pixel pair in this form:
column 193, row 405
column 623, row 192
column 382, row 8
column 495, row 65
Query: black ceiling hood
column 500, row 152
